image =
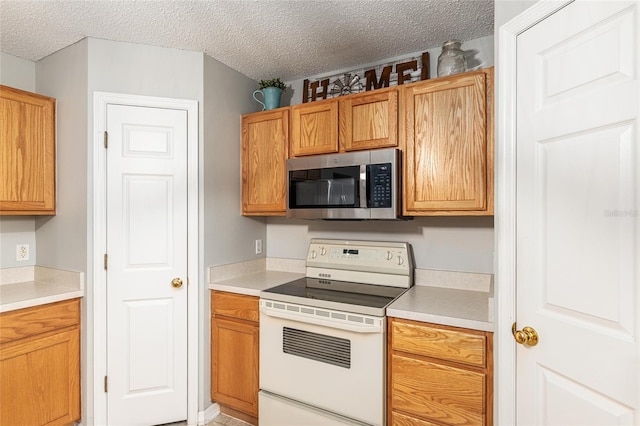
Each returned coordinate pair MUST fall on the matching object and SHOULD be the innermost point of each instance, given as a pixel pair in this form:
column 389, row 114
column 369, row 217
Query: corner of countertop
column 16, row 275
column 58, row 277
column 234, row 270
column 458, row 299
column 30, row 286
column 471, row 281
column 64, row 278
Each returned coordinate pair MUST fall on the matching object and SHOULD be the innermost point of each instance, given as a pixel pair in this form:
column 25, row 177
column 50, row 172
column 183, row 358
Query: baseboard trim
column 209, row 414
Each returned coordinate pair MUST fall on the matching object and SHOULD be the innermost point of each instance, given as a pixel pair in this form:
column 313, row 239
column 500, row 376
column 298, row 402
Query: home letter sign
column 347, row 83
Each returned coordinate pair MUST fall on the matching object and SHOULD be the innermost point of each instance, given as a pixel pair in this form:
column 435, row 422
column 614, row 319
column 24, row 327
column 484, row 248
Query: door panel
column 578, row 223
column 147, row 249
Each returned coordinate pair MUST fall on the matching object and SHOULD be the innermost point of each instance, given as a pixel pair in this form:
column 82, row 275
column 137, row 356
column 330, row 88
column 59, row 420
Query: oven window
column 324, row 188
column 317, row 347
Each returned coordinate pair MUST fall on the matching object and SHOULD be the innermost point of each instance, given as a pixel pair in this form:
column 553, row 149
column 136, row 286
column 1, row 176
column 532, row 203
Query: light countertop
column 33, row 286
column 253, row 276
column 252, row 284
column 445, row 306
column 457, row 299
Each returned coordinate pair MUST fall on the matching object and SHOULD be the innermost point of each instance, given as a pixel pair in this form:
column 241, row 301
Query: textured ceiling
column 259, row 38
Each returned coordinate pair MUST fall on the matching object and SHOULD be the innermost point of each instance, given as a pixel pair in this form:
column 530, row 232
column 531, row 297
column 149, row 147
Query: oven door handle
column 378, row 327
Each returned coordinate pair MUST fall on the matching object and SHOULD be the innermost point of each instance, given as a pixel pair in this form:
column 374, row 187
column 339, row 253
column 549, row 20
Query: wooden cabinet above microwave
column 362, row 121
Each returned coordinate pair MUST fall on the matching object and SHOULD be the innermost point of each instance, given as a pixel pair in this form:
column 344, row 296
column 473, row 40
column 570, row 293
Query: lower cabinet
column 235, row 333
column 439, row 375
column 40, row 365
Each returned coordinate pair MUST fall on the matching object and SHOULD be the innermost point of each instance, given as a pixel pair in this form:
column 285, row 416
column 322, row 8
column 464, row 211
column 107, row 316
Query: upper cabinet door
column 369, row 120
column 27, row 153
column 314, row 128
column 448, row 145
column 265, row 141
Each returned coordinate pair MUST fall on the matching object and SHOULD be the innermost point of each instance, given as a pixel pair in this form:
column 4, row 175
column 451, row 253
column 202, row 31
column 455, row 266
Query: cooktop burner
column 353, row 276
column 349, row 293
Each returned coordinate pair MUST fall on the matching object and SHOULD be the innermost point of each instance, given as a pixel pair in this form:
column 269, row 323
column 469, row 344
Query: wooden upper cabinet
column 265, row 141
column 447, row 136
column 369, row 120
column 27, row 153
column 314, row 128
column 356, row 122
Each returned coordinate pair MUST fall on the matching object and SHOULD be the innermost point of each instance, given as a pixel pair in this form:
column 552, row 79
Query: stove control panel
column 365, row 256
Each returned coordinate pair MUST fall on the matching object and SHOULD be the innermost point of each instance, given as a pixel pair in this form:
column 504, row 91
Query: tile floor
column 224, row 420
column 221, row 420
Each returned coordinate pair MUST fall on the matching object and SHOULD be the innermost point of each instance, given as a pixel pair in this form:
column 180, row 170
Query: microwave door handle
column 363, row 186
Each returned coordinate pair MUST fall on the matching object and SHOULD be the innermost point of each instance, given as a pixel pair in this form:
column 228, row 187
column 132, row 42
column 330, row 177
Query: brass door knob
column 176, row 283
column 527, row 336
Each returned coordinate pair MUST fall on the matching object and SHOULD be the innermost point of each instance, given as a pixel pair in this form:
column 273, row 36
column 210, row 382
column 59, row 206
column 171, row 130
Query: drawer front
column 235, row 305
column 27, row 322
column 398, row 419
column 450, row 345
column 438, row 392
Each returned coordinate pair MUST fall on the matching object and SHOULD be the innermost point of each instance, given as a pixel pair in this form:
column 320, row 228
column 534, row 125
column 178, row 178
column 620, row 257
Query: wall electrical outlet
column 22, row 252
column 259, row 246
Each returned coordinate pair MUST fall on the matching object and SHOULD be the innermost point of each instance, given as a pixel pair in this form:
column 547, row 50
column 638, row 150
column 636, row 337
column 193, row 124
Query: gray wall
column 226, row 236
column 21, row 74
column 62, row 239
column 17, row 72
column 508, row 9
column 444, row 243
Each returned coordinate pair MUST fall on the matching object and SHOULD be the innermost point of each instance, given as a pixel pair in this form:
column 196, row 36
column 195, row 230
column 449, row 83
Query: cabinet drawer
column 451, row 345
column 439, row 392
column 398, row 419
column 235, row 305
column 27, row 322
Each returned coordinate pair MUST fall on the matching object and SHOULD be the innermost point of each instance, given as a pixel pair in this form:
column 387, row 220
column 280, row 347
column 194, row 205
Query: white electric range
column 323, row 337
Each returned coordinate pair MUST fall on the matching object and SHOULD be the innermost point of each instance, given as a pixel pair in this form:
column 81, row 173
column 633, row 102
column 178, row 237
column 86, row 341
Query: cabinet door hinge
column 105, row 261
column 106, row 139
column 105, row 384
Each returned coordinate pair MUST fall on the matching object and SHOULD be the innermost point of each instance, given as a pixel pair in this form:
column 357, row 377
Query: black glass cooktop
column 345, row 295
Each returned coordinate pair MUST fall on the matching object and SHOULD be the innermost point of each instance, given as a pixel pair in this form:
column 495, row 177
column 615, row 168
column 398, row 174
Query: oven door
column 329, row 360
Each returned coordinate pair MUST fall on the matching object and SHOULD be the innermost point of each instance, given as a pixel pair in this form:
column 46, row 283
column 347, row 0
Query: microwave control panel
column 380, row 185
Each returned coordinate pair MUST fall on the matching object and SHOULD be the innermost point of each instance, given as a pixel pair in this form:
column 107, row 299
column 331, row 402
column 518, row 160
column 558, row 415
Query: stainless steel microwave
column 355, row 185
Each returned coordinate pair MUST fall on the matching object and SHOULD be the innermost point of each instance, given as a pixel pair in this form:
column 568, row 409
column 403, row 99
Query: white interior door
column 578, row 216
column 147, row 249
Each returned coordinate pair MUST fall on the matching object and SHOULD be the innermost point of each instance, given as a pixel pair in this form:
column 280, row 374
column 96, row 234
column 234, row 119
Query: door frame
column 99, row 370
column 505, row 213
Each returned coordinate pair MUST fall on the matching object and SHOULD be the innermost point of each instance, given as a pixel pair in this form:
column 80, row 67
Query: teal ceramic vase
column 271, row 96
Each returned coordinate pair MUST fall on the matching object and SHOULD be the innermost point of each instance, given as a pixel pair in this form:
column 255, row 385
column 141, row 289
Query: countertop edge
column 234, row 289
column 39, row 301
column 441, row 320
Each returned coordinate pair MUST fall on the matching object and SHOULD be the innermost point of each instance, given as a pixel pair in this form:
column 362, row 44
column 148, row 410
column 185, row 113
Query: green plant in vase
column 271, row 91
